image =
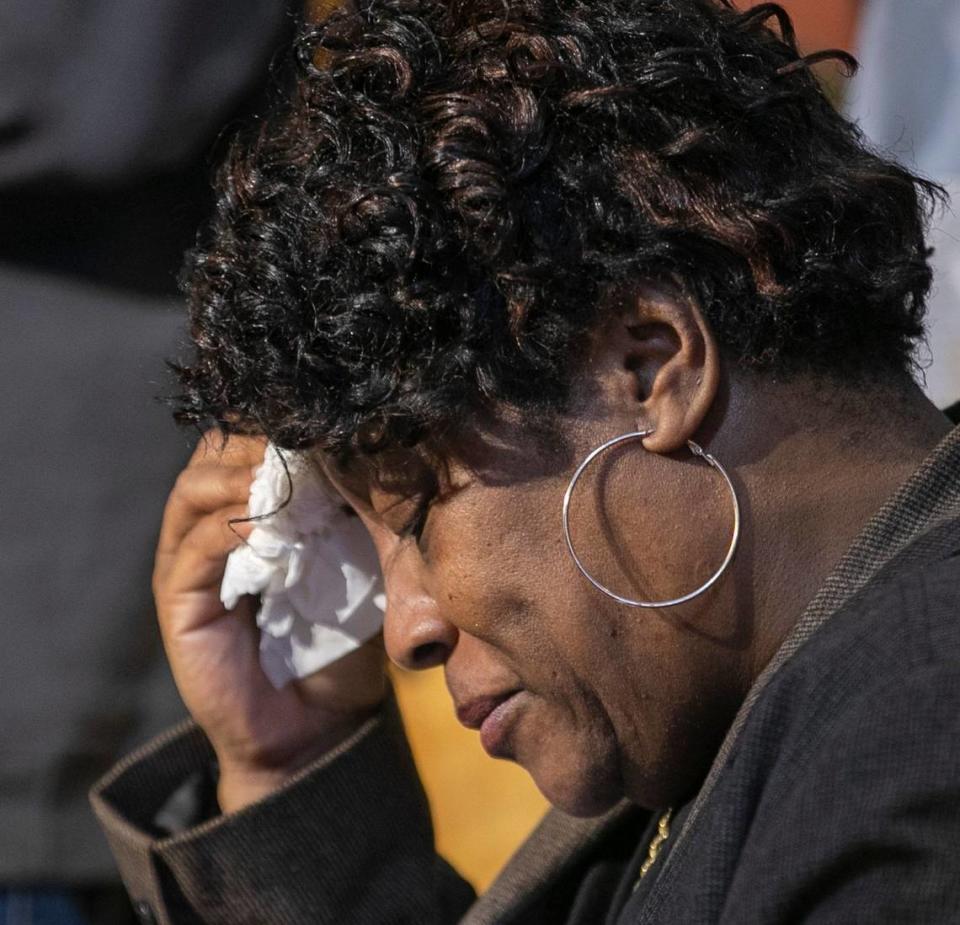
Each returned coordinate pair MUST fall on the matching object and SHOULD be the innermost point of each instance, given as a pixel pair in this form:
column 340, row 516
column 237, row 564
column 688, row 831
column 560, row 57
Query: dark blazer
column 835, row 797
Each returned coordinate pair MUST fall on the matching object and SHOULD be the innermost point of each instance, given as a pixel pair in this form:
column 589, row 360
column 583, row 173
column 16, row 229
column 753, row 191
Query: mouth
column 491, row 715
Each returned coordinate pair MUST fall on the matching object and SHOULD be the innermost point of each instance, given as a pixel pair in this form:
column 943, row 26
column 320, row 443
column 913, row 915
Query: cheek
column 501, row 572
column 648, row 529
column 490, row 566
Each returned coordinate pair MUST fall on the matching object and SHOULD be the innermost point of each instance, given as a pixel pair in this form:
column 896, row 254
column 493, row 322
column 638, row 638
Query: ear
column 665, row 360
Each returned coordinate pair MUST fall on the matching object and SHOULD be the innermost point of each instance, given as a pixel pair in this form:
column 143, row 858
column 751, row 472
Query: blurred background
column 110, row 115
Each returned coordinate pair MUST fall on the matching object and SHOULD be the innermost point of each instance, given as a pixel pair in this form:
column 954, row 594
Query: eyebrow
column 439, row 493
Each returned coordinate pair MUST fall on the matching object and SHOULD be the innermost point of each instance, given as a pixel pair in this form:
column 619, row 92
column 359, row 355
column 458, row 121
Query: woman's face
column 595, row 700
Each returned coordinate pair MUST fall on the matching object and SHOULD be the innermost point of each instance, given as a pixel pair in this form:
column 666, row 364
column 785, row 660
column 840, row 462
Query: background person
column 107, row 111
column 906, row 98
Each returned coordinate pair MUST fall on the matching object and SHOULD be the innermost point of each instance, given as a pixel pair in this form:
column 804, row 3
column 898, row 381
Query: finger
column 201, row 490
column 215, row 448
column 199, row 560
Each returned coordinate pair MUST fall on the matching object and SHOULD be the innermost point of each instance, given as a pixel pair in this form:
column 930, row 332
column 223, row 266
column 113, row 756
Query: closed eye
column 415, row 526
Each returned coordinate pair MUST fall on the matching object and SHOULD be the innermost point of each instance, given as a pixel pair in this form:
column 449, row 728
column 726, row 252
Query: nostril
column 428, row 655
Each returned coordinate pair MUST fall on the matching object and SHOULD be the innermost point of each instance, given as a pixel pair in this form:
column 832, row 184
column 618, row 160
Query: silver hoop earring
column 697, row 451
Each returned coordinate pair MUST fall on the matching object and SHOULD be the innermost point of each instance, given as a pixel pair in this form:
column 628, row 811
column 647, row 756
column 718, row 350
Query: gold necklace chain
column 656, row 843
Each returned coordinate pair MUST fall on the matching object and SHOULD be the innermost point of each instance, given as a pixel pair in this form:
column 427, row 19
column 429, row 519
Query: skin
column 610, row 701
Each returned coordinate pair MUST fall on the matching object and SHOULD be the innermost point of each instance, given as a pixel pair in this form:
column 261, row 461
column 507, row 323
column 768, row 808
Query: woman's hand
column 260, row 735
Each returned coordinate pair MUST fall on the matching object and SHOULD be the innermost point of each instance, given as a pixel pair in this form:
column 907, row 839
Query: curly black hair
column 424, row 225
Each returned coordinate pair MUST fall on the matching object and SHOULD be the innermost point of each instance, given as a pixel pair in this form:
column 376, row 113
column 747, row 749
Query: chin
column 577, row 789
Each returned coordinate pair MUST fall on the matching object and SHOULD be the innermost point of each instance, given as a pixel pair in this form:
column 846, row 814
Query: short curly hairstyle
column 424, row 225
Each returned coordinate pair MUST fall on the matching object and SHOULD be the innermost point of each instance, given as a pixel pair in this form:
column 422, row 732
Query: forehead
column 503, row 451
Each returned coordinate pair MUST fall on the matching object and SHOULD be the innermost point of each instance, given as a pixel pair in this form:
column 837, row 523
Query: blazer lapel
column 559, row 842
column 921, row 521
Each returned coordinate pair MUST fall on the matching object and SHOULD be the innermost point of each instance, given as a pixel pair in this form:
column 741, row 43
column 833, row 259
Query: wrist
column 250, row 779
column 237, row 789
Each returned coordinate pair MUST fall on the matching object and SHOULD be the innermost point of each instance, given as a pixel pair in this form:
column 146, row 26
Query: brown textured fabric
column 928, row 499
column 292, row 857
column 783, row 831
column 840, row 800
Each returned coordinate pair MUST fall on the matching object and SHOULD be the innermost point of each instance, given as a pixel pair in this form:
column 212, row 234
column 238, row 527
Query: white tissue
column 314, row 567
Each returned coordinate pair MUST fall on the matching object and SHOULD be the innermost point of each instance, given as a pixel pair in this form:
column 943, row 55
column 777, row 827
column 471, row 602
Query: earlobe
column 677, row 386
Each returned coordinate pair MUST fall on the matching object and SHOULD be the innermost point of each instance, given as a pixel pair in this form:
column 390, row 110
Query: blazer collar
column 558, row 843
column 919, row 522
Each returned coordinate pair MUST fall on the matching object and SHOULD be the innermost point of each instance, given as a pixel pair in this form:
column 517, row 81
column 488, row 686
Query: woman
column 601, row 319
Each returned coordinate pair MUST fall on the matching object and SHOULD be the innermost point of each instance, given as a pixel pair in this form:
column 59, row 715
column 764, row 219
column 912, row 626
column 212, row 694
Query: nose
column 415, row 634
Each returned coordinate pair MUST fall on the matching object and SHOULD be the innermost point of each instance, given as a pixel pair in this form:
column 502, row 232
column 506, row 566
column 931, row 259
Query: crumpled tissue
column 314, row 567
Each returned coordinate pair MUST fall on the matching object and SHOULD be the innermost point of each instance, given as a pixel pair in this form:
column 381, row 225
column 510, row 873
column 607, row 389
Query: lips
column 474, row 712
column 494, row 716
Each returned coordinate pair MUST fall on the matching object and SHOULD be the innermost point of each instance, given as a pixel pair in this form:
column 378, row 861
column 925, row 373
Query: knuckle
column 211, row 442
column 182, row 484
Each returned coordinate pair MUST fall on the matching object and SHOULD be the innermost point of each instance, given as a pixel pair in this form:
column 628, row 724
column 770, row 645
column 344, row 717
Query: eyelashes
column 415, row 526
